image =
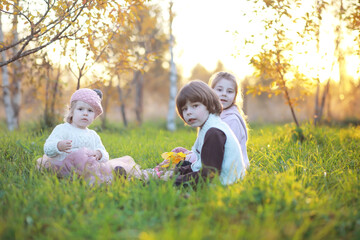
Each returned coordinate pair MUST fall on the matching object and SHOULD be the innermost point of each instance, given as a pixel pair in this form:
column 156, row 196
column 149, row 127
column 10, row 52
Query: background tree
column 274, row 61
column 43, row 87
column 200, row 72
column 143, row 48
column 133, row 58
column 51, row 89
column 353, row 24
column 50, row 21
column 173, row 77
column 147, row 43
column 12, row 92
column 219, row 67
column 342, row 11
column 313, row 25
column 11, row 119
column 90, row 22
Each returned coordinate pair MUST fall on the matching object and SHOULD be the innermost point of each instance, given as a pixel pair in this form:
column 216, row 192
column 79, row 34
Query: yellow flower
column 173, row 158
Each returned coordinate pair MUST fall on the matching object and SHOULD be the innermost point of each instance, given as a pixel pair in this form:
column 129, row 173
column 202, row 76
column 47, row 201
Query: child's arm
column 212, row 152
column 179, row 149
column 101, row 154
column 190, row 156
column 51, row 145
column 212, row 156
column 236, row 127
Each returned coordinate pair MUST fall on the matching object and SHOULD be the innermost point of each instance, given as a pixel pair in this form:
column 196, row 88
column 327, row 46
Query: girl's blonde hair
column 216, row 77
column 198, row 91
column 70, row 113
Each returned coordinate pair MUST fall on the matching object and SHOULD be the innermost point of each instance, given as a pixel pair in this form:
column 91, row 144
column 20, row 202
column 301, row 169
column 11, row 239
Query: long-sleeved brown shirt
column 212, row 156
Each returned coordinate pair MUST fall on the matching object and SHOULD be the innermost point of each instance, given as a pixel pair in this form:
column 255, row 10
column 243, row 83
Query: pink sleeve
column 235, row 126
column 179, row 149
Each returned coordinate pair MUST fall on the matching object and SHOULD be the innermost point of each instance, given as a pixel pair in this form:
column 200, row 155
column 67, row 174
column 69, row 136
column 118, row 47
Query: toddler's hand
column 97, row 154
column 64, row 146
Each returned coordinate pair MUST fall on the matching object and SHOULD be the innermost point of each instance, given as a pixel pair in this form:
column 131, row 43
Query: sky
column 204, row 29
column 204, row 34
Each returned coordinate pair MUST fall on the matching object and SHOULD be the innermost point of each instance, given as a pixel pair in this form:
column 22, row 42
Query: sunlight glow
column 206, row 36
column 353, row 67
column 204, row 33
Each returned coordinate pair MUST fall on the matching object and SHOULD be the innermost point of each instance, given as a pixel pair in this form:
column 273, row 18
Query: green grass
column 293, row 190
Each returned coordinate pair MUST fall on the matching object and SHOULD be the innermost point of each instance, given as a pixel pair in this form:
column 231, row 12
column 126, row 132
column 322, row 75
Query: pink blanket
column 84, row 165
column 80, row 162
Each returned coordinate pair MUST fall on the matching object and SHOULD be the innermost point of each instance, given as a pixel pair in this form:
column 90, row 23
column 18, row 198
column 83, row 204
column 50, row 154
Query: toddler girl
column 216, row 147
column 72, row 147
column 226, row 87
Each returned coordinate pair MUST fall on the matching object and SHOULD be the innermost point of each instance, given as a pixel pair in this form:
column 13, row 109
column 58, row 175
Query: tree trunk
column 55, row 91
column 47, row 117
column 122, row 103
column 106, row 105
column 17, row 75
column 338, row 49
column 9, row 111
column 286, row 92
column 78, row 80
column 139, row 80
column 316, row 113
column 245, row 99
column 291, row 106
column 323, row 98
column 320, row 5
column 171, row 126
column 329, row 113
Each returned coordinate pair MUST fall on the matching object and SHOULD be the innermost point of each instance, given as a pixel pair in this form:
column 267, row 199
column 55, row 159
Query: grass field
column 293, row 190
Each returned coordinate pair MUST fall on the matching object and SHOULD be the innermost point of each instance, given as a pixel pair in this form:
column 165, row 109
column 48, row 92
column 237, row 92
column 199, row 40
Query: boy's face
column 225, row 90
column 195, row 113
column 83, row 115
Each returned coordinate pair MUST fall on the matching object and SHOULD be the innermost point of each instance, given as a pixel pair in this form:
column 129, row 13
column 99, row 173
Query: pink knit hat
column 90, row 97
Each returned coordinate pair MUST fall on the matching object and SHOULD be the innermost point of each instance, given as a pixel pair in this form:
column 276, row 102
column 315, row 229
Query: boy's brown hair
column 198, row 91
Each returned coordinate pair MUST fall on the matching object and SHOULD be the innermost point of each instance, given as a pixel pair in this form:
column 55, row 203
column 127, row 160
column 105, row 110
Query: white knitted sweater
column 80, row 138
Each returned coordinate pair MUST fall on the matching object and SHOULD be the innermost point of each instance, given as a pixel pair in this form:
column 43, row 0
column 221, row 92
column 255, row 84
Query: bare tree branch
column 21, row 54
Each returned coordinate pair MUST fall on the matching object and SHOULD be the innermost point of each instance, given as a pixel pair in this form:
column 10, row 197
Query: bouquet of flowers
column 171, row 159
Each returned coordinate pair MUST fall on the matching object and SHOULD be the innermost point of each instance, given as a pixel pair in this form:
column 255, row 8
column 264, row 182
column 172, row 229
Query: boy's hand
column 64, row 146
column 191, row 157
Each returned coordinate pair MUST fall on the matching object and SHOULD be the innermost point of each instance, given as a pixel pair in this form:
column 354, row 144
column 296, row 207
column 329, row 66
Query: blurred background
column 295, row 61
